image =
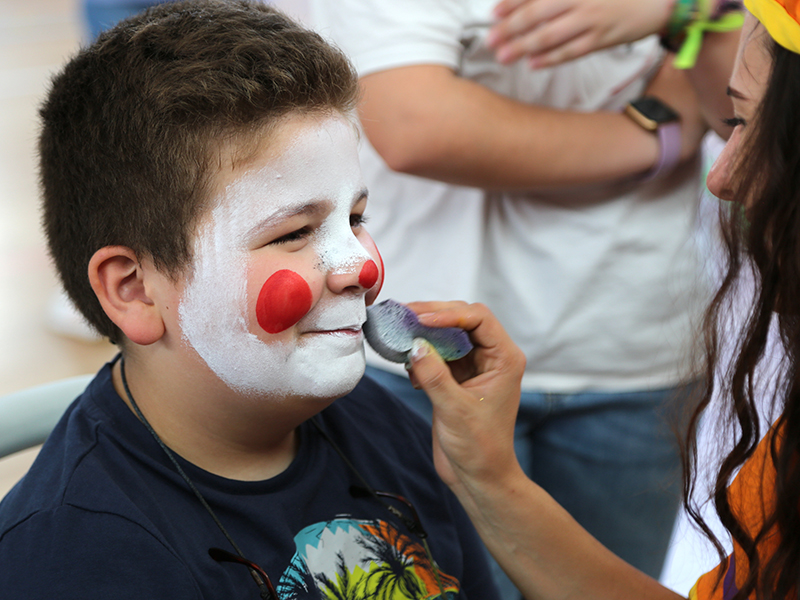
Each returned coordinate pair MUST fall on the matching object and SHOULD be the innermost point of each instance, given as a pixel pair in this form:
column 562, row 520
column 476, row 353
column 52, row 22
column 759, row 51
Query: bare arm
column 426, row 121
column 550, row 32
column 544, row 551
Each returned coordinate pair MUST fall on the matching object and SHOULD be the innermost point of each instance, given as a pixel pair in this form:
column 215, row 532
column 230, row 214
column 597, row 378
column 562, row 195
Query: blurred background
column 36, row 38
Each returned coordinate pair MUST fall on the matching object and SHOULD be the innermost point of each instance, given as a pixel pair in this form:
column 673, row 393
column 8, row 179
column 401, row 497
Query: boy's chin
column 318, row 380
column 337, row 382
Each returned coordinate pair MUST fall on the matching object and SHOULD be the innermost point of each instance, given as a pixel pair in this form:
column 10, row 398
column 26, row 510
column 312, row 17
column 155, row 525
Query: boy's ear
column 118, row 280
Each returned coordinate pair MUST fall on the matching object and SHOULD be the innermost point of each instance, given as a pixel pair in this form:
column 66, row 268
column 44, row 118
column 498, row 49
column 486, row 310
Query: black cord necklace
column 259, row 576
column 413, row 525
column 262, row 581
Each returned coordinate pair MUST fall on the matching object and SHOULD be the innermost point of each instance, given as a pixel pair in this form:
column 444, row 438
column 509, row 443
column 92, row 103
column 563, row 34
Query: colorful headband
column 781, row 18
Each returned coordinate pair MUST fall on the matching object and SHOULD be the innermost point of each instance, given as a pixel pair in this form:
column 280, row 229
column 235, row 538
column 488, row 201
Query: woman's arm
column 425, row 120
column 550, row 32
column 540, row 546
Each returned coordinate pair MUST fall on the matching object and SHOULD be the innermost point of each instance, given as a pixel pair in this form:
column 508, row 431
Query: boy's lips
column 342, row 317
column 346, row 330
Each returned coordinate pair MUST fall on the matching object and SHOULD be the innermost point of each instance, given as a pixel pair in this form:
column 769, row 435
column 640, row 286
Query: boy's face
column 283, row 267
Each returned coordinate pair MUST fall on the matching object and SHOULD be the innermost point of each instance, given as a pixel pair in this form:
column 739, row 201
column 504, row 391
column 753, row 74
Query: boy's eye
column 357, row 220
column 294, row 236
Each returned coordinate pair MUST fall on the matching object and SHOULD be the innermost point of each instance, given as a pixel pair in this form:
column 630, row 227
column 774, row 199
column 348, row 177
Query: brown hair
column 763, row 240
column 131, row 126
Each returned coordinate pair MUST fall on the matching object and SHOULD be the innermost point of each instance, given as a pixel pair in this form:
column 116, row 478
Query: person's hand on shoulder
column 550, row 32
column 475, row 398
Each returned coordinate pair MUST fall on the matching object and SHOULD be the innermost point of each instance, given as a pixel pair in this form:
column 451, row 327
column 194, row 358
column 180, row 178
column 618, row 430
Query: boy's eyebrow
column 309, row 208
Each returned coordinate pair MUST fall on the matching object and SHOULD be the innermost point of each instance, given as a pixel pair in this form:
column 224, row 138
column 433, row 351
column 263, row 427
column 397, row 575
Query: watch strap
column 669, row 143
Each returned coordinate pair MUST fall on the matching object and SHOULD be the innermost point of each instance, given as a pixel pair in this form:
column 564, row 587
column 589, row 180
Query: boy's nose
column 369, row 274
column 360, row 274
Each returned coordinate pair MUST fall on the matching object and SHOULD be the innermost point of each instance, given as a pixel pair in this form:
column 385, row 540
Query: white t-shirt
column 600, row 286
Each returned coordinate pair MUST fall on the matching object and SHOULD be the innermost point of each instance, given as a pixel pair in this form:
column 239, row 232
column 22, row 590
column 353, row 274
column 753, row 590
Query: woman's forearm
column 544, row 551
column 475, row 401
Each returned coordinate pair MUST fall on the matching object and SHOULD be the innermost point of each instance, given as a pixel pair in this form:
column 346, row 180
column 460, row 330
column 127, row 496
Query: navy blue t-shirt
column 103, row 514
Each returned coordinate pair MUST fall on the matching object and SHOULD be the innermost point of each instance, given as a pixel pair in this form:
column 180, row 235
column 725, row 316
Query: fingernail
column 419, row 350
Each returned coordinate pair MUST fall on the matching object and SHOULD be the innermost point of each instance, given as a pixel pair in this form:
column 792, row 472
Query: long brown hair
column 763, row 239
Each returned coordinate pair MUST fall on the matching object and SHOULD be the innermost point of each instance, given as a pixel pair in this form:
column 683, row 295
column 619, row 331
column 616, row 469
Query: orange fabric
column 791, row 7
column 751, row 496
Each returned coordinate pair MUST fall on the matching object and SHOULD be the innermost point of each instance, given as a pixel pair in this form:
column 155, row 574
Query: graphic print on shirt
column 348, row 559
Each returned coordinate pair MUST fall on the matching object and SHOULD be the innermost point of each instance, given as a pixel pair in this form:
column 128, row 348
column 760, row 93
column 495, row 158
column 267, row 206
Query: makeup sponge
column 391, row 328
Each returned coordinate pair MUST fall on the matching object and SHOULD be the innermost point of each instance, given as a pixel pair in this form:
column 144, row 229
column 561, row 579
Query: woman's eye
column 734, row 122
column 298, row 234
column 357, row 220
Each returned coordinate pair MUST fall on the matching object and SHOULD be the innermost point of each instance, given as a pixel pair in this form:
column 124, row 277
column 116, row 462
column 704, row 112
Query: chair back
column 28, row 416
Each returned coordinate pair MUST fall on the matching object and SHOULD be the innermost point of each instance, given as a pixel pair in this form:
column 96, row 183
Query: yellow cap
column 781, row 18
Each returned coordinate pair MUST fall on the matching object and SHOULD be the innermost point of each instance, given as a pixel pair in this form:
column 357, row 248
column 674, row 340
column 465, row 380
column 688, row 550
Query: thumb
column 430, row 372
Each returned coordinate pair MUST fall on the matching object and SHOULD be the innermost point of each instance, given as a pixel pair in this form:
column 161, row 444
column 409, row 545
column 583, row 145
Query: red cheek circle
column 284, row 299
column 369, row 274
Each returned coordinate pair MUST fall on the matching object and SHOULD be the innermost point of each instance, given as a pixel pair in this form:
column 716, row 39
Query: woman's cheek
column 284, row 299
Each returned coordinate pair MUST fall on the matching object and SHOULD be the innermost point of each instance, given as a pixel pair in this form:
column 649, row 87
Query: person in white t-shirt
column 532, row 192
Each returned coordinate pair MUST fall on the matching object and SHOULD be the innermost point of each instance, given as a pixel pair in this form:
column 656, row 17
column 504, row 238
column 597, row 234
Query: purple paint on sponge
column 391, row 328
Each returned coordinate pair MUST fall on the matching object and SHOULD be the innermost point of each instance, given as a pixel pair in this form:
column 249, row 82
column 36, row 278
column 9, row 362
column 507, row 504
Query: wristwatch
column 652, row 114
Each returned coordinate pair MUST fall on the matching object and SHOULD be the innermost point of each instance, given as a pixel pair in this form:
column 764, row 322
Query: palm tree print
column 345, row 587
column 348, row 559
column 393, row 575
column 298, row 584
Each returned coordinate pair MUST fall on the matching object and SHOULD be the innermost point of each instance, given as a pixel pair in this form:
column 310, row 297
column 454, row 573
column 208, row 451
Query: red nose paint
column 285, row 298
column 372, row 294
column 383, row 273
column 369, row 274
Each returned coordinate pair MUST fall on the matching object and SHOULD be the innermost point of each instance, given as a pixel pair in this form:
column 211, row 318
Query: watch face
column 654, row 110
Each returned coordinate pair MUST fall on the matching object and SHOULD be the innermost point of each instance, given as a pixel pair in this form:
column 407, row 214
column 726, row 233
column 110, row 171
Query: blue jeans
column 610, row 459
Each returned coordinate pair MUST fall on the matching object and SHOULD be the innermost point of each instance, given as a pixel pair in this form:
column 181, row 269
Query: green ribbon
column 686, row 57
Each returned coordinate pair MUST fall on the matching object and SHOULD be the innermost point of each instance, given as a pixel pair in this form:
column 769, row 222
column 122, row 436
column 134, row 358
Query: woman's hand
column 475, row 399
column 550, row 32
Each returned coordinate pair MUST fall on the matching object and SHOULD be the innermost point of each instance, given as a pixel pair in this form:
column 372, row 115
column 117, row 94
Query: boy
column 200, row 162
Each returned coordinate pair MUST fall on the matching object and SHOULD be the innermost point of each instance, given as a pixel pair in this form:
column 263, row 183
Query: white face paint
column 297, row 207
